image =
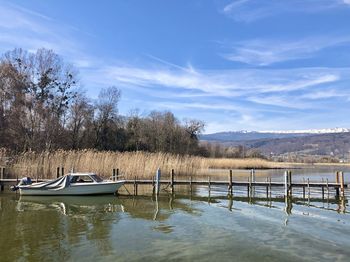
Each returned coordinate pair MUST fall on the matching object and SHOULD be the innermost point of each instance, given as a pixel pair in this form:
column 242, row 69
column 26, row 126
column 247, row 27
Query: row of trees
column 41, row 108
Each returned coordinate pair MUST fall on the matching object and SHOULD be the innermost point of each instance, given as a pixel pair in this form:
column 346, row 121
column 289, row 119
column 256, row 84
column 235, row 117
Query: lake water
column 185, row 227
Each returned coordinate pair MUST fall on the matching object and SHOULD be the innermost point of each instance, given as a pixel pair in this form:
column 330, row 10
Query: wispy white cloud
column 30, row 30
column 252, row 10
column 326, row 94
column 266, row 52
column 223, row 83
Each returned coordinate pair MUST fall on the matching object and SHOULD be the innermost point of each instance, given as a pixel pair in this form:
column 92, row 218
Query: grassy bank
column 131, row 164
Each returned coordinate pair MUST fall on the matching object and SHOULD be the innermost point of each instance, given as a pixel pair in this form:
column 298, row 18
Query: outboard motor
column 24, row 181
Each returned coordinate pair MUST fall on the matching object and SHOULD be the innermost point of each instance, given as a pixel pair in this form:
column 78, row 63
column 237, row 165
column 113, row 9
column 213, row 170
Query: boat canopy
column 58, row 183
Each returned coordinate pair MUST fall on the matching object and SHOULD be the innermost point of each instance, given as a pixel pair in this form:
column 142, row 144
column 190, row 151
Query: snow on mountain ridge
column 310, row 131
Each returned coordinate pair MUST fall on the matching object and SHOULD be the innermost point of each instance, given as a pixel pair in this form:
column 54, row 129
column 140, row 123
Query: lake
column 184, row 226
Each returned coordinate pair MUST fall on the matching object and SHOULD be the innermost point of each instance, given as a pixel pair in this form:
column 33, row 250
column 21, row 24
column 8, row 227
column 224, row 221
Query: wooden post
column 337, row 177
column 252, row 180
column 113, row 174
column 267, row 188
column 153, row 186
column 270, row 187
column 322, row 188
column 62, row 171
column 172, row 181
column 136, row 186
column 117, row 175
column 209, row 184
column 327, row 187
column 230, row 184
column 308, row 187
column 158, row 175
column 337, row 181
column 290, row 183
column 248, row 187
column 285, row 183
column 58, row 172
column 252, row 174
column 342, row 182
column 191, row 184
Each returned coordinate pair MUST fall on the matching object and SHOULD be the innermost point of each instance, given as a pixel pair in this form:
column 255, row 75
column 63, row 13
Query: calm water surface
column 182, row 227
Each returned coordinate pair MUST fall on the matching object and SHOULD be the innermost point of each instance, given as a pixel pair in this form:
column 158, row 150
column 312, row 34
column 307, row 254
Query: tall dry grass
column 130, row 164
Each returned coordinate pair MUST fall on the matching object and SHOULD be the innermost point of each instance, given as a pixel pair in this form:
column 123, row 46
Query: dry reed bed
column 130, row 164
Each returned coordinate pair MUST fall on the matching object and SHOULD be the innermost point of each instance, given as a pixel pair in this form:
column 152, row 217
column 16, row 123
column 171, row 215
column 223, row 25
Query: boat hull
column 78, row 189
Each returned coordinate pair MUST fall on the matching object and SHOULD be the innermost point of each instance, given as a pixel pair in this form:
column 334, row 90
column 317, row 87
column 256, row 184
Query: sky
column 235, row 64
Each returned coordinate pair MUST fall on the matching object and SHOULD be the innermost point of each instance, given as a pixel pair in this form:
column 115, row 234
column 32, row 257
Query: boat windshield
column 97, row 178
column 81, row 179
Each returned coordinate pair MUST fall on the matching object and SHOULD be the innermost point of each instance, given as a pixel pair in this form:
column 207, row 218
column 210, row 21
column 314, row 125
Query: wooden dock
column 338, row 186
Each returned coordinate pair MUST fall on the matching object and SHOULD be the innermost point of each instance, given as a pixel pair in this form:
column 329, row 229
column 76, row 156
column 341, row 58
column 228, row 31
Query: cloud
column 266, row 52
column 24, row 28
column 253, row 10
column 222, row 83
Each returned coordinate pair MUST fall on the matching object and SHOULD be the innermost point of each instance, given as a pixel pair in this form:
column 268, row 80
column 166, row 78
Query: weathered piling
column 286, row 183
column 337, row 182
column 342, row 183
column 249, row 186
column 290, row 192
column 153, row 186
column 158, row 175
column 135, row 187
column 172, row 180
column 62, row 171
column 230, row 184
column 252, row 179
column 209, row 184
column 267, row 187
column 113, row 174
column 322, row 189
column 191, row 184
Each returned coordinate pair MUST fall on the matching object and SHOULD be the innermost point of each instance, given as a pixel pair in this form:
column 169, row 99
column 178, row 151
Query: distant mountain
column 244, row 135
column 324, row 142
column 334, row 144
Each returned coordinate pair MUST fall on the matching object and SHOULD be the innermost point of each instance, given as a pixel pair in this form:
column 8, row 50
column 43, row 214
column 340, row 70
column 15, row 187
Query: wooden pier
column 288, row 185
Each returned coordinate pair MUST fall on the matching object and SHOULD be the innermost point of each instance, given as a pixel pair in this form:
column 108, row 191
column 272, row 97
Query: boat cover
column 56, row 184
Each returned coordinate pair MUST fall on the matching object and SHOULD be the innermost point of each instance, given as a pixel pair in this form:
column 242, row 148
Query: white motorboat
column 74, row 184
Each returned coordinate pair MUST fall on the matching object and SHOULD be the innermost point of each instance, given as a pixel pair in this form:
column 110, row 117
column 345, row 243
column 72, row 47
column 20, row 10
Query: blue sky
column 237, row 65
